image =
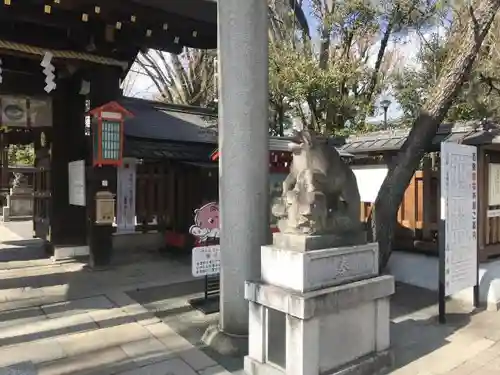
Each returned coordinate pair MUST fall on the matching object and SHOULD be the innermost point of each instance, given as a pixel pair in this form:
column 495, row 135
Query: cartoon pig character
column 206, row 222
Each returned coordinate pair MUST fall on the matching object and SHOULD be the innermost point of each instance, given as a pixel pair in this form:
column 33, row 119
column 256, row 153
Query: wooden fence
column 417, row 215
column 169, row 192
column 489, row 231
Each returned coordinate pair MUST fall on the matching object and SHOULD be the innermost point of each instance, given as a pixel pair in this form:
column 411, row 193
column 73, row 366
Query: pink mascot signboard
column 206, row 253
column 205, row 260
column 206, row 223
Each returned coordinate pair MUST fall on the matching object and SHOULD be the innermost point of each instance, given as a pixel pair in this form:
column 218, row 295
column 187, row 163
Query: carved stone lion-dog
column 320, row 194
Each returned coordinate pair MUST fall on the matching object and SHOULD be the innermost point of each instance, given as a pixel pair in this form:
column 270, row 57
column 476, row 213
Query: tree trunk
column 378, row 63
column 467, row 39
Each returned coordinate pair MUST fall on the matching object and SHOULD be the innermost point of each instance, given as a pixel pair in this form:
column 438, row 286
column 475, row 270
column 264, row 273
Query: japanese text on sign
column 205, row 260
column 459, row 210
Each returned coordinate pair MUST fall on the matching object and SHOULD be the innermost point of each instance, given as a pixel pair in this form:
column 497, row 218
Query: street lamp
column 385, row 105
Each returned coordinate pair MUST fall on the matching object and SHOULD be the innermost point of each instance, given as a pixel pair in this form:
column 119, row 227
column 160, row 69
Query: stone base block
column 316, row 269
column 373, row 364
column 69, row 252
column 340, row 330
column 254, row 367
column 138, row 242
column 5, row 213
column 302, row 242
column 225, row 344
column 21, row 205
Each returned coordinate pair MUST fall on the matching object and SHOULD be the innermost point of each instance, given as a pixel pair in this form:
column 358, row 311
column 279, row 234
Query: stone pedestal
column 320, row 311
column 19, row 204
column 5, row 213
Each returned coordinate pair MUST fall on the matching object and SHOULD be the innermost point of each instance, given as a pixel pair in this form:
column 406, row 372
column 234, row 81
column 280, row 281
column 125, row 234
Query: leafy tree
column 21, row 155
column 331, row 87
column 480, row 94
column 463, row 46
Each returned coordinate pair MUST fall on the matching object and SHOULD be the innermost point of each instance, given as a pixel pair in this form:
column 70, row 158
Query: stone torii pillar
column 244, row 160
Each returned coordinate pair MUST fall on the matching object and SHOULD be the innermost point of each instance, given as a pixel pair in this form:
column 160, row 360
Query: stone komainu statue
column 320, row 195
column 19, row 181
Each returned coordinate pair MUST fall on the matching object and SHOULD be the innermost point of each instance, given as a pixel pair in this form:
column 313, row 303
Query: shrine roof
column 115, row 29
column 155, row 123
column 168, row 122
column 153, row 150
column 471, row 133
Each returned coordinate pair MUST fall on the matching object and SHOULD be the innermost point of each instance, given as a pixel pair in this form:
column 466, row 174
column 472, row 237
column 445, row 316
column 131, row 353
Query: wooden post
column 104, row 87
column 426, row 199
column 68, row 225
column 4, row 165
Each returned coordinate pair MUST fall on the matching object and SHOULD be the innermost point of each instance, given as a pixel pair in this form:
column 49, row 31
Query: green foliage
column 480, row 94
column 21, row 155
column 329, row 79
column 332, row 85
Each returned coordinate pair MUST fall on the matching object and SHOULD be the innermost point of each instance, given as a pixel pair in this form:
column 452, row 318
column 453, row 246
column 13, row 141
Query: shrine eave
column 111, row 28
column 279, row 145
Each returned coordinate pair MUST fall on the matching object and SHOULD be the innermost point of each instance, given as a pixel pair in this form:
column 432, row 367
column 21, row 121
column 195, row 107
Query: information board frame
column 458, row 239
column 77, row 183
column 209, row 254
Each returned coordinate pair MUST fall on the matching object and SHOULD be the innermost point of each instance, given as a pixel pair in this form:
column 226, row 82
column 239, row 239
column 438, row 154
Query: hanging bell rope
column 69, row 55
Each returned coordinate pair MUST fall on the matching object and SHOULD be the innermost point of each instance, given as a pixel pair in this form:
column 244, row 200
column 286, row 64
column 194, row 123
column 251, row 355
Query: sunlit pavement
column 59, row 318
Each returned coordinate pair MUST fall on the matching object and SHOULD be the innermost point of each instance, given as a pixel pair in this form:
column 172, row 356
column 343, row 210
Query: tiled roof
column 160, row 130
column 168, row 122
column 473, row 133
column 154, row 150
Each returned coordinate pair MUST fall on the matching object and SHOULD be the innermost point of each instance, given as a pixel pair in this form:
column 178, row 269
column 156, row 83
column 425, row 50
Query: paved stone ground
column 61, row 319
column 134, row 319
column 468, row 344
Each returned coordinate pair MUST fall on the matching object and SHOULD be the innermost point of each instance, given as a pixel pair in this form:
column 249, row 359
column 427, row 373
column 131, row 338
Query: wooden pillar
column 68, row 224
column 104, row 87
column 426, row 198
column 4, row 172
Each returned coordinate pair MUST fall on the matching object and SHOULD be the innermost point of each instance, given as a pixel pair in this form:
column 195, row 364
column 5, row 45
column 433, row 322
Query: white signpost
column 458, row 226
column 205, row 260
column 125, row 204
column 76, row 179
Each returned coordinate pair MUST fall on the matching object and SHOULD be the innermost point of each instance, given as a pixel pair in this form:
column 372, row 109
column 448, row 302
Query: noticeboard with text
column 205, row 260
column 76, row 183
column 459, row 216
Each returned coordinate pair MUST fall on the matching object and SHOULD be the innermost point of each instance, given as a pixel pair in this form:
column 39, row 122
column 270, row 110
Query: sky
column 138, row 84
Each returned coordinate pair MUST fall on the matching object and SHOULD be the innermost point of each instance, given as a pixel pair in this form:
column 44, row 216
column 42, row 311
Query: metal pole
column 442, row 242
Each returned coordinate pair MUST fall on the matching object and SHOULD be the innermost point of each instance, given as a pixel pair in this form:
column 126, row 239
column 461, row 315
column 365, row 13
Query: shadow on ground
column 22, row 250
column 415, row 331
column 170, row 304
column 118, row 351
